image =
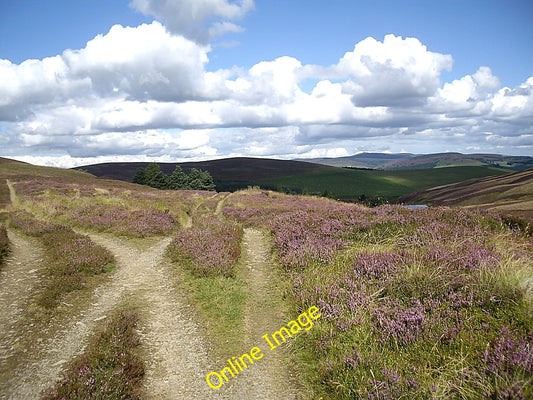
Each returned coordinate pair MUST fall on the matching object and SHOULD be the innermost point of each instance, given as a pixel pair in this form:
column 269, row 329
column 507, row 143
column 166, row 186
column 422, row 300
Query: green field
column 350, row 183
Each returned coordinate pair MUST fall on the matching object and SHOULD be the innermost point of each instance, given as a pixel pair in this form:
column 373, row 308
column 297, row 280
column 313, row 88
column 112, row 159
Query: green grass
column 220, row 302
column 110, row 367
column 350, row 184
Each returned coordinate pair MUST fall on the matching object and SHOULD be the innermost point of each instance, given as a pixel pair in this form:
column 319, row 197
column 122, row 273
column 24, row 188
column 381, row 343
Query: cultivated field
column 114, row 290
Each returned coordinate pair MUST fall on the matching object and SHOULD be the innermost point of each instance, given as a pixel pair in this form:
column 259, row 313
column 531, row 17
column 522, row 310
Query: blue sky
column 218, row 78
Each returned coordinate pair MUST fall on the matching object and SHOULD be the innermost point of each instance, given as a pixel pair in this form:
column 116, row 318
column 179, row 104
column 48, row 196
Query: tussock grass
column 109, row 368
column 220, row 302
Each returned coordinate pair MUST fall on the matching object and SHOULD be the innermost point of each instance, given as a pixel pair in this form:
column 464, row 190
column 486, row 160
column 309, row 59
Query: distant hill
column 238, row 169
column 511, row 193
column 362, row 160
column 438, row 160
column 302, row 177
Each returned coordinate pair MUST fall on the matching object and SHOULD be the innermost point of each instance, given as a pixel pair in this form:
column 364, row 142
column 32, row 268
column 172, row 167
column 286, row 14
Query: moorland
column 117, row 290
column 377, row 178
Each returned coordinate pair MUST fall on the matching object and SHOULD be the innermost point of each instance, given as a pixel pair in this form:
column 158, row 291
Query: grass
column 220, row 302
column 109, row 368
column 351, row 184
column 209, row 253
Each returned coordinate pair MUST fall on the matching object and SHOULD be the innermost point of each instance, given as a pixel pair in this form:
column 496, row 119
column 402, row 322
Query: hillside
column 424, row 161
column 296, row 176
column 510, row 193
column 116, row 290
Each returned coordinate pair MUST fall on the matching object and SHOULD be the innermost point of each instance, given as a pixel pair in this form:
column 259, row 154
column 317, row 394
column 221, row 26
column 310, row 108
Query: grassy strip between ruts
column 209, row 253
column 70, row 257
column 109, row 368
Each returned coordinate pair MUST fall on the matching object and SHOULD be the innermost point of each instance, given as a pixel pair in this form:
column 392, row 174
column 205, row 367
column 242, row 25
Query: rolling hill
column 296, row 176
column 511, row 193
column 423, row 161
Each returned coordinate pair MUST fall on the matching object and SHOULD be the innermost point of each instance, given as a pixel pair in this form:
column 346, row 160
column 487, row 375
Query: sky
column 92, row 81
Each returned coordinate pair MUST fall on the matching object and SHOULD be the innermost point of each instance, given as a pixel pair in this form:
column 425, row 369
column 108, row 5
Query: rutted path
column 18, row 279
column 70, row 336
column 176, row 356
column 176, row 353
column 269, row 377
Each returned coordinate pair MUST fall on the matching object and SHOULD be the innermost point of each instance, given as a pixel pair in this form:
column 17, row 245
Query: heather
column 70, row 258
column 208, row 249
column 4, row 244
column 417, row 304
column 109, row 368
column 4, row 194
column 109, row 207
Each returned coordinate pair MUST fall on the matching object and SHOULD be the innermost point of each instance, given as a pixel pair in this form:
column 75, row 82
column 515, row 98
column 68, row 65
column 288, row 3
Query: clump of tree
column 178, row 180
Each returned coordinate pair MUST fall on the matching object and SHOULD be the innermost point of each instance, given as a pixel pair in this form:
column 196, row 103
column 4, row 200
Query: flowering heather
column 210, row 248
column 70, row 257
column 109, row 368
column 410, row 298
column 109, row 208
column 33, row 227
column 504, row 359
column 397, row 323
column 116, row 218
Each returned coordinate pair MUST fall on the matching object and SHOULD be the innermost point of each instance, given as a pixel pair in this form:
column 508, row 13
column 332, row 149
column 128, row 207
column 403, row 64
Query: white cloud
column 393, row 72
column 145, row 92
column 198, row 20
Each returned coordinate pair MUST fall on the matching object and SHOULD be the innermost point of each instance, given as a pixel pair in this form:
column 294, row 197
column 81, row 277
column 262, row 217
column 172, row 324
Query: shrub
column 109, row 368
column 210, row 248
column 69, row 256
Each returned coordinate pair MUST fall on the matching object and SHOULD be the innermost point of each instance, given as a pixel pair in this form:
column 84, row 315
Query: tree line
column 178, row 180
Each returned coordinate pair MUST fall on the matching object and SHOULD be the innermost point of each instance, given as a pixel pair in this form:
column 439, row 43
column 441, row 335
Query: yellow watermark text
column 238, row 364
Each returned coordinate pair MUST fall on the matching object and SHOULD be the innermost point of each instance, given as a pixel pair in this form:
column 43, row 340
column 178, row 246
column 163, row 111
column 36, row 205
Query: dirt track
column 177, row 353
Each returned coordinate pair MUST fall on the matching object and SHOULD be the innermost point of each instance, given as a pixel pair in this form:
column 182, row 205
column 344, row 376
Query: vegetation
column 210, row 248
column 70, row 257
column 110, row 367
column 510, row 194
column 210, row 251
column 430, row 303
column 4, row 194
column 314, row 179
column 348, row 184
column 178, row 180
column 4, row 244
column 418, row 304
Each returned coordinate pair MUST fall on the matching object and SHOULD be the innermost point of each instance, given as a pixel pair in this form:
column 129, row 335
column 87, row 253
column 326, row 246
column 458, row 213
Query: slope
column 511, row 193
column 295, row 176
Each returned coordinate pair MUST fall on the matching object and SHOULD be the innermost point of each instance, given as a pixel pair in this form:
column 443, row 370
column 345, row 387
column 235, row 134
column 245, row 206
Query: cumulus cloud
column 145, row 91
column 395, row 71
column 198, row 20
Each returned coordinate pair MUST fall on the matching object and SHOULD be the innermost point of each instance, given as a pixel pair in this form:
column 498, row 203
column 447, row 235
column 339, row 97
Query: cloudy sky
column 173, row 80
